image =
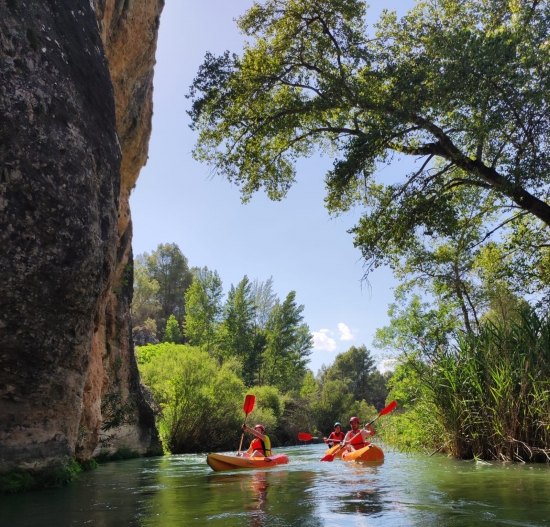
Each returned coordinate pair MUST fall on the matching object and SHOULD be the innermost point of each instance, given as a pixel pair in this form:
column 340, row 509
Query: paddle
column 249, row 401
column 304, row 436
column 390, row 408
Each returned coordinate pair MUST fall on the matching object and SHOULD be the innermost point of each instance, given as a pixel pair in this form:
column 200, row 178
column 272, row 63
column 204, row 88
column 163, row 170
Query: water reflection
column 359, row 492
column 183, row 491
column 268, row 498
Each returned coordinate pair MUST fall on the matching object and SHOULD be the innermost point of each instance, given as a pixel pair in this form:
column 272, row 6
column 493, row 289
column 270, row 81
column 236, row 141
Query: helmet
column 260, row 426
column 337, row 424
column 354, row 420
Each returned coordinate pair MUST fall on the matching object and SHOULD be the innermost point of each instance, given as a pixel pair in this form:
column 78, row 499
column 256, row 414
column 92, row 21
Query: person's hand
column 325, row 440
column 244, row 428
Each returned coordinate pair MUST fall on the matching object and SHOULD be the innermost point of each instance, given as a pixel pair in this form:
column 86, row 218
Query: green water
column 182, row 490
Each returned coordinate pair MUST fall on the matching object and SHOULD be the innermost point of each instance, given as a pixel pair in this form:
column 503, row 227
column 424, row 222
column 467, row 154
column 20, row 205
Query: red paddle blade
column 249, row 401
column 390, row 408
column 328, row 457
column 303, row 436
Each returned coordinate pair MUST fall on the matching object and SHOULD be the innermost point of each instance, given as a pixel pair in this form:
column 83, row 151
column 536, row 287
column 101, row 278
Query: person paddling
column 260, row 445
column 356, row 438
column 336, row 436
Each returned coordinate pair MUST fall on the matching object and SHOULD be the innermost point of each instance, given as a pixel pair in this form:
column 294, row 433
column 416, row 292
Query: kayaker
column 356, row 438
column 260, row 445
column 335, row 437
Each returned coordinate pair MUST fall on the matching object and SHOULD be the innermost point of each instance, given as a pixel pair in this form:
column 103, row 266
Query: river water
column 406, row 490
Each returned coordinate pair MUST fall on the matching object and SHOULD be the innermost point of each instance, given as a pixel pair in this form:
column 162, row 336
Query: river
column 406, row 490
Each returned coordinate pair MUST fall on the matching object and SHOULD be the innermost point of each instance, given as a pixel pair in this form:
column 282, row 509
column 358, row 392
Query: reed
column 485, row 397
column 492, row 392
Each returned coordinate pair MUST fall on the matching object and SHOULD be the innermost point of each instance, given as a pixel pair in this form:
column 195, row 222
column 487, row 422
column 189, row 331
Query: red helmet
column 354, row 420
column 260, row 426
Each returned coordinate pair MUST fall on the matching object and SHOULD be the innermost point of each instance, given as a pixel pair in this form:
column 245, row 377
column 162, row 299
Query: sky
column 177, row 200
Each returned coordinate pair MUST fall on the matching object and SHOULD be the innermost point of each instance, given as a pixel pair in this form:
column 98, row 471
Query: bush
column 486, row 397
column 201, row 401
column 22, row 480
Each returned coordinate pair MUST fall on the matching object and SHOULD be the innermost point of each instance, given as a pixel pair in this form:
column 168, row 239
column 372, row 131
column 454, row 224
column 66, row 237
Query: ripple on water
column 182, row 490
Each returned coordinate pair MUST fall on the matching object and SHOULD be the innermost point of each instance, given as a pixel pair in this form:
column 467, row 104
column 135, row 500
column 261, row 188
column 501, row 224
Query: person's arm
column 369, row 430
column 253, row 432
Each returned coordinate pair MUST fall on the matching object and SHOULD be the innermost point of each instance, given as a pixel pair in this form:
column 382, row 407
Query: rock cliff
column 76, row 83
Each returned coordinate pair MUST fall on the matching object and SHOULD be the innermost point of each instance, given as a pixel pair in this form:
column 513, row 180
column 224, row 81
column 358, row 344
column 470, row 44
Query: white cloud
column 345, row 332
column 322, row 341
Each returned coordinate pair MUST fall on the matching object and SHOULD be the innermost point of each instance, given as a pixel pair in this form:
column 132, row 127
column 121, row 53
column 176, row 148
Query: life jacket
column 261, row 446
column 335, row 438
column 357, row 440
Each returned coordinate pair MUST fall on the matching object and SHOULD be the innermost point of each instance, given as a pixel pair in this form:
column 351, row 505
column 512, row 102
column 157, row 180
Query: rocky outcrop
column 75, row 119
column 116, row 413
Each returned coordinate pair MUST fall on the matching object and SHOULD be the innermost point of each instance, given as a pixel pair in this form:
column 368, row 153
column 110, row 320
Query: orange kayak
column 336, row 451
column 368, row 454
column 219, row 462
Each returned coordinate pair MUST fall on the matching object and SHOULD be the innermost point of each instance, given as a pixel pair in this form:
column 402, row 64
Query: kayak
column 335, row 451
column 219, row 462
column 368, row 454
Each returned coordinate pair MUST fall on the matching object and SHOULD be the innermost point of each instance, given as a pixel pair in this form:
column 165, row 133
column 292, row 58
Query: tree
column 289, row 344
column 145, row 304
column 169, row 268
column 264, row 301
column 464, row 83
column 450, row 267
column 417, row 327
column 237, row 335
column 172, row 331
column 353, row 368
column 203, row 309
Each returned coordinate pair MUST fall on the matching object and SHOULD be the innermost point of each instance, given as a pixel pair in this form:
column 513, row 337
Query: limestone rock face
column 75, row 120
column 112, row 394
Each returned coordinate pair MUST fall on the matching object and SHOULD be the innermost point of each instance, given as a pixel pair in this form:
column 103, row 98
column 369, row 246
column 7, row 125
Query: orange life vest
column 335, row 437
column 258, row 444
column 357, row 439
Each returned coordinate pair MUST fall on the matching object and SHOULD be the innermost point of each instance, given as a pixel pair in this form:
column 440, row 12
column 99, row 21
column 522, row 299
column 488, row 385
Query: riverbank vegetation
column 225, row 346
column 461, row 88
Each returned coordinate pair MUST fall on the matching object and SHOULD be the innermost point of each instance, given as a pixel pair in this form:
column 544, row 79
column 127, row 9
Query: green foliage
column 460, row 86
column 417, row 326
column 353, row 368
column 145, row 303
column 203, row 302
column 486, row 397
column 237, row 333
column 201, row 401
column 168, row 269
column 289, row 345
column 172, row 331
column 90, row 464
column 414, row 426
column 309, row 389
column 23, row 480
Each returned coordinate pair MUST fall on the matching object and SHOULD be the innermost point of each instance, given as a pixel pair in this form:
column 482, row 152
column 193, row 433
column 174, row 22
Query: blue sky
column 176, row 200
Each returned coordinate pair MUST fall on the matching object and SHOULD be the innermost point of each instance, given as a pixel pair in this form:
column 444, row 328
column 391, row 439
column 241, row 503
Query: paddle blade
column 249, row 401
column 390, row 408
column 303, row 436
column 328, row 457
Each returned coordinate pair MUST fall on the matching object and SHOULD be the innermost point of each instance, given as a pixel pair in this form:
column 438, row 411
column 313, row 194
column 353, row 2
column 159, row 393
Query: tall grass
column 490, row 393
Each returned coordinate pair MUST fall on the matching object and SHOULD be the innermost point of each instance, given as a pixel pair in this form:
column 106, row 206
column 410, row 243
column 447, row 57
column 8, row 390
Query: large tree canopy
column 461, row 85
